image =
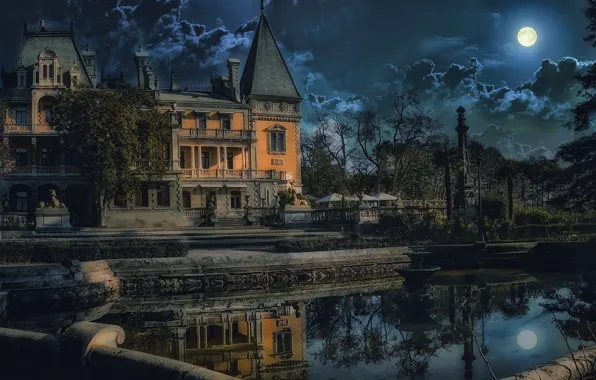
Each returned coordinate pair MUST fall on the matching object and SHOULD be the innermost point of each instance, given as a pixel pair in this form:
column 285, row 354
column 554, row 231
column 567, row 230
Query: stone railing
column 40, row 170
column 234, row 174
column 87, row 351
column 28, row 128
column 16, row 221
column 224, row 134
column 200, row 212
column 334, row 216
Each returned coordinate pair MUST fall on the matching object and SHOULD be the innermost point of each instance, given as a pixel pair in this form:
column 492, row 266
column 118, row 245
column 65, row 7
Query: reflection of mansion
column 235, row 140
column 268, row 343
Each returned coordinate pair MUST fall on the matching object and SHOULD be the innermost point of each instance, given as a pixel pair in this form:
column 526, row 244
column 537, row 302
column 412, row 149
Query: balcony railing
column 27, row 128
column 41, row 171
column 234, row 174
column 226, row 134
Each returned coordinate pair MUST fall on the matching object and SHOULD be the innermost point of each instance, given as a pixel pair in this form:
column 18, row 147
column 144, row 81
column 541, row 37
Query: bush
column 314, row 245
column 412, row 228
column 55, row 252
column 494, row 209
column 532, row 215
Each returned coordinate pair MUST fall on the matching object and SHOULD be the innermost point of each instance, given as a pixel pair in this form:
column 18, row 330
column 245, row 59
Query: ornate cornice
column 276, row 118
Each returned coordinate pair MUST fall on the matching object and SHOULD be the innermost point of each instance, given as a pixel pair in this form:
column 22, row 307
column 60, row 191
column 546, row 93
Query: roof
column 266, row 72
column 192, row 98
column 336, row 198
column 384, row 197
column 60, row 42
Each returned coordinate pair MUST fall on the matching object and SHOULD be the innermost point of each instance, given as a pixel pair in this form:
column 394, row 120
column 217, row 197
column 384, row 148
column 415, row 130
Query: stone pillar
column 464, row 197
column 218, row 158
column 204, row 336
column 200, row 165
column 225, row 157
column 62, row 167
column 224, row 328
column 181, row 338
column 175, row 143
column 192, row 160
column 243, row 158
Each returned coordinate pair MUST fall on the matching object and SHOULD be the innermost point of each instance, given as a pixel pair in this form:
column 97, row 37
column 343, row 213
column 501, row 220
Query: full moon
column 527, row 36
column 527, row 339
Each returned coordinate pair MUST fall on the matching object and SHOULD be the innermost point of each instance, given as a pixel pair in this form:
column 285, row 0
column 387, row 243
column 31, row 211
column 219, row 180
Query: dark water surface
column 370, row 330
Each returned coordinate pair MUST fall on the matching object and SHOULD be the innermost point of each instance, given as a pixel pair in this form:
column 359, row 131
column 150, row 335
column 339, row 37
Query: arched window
column 45, row 72
column 37, row 77
column 277, row 140
column 51, row 71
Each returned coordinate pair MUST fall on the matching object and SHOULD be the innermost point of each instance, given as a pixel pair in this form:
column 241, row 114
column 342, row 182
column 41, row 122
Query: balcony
column 41, row 171
column 233, row 174
column 218, row 134
column 25, row 129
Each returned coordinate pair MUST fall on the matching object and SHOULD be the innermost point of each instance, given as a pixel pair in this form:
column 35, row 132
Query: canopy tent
column 384, row 197
column 336, row 198
column 368, row 198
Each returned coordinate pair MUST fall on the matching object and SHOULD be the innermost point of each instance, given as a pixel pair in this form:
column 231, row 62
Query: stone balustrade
column 233, row 174
column 87, row 351
column 28, row 128
column 41, row 171
column 223, row 134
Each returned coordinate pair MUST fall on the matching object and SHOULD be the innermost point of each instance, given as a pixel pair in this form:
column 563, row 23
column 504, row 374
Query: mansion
column 234, row 141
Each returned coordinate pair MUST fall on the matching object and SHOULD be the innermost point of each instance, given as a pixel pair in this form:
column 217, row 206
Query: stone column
column 175, row 143
column 200, row 165
column 181, row 337
column 192, row 160
column 218, row 158
column 225, row 157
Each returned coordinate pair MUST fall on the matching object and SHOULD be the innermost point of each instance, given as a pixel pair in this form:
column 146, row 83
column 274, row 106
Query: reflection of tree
column 577, row 302
column 516, row 306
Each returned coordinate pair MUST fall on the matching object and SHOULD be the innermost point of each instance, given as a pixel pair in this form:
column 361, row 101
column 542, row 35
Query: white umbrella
column 368, row 198
column 384, row 197
column 335, row 198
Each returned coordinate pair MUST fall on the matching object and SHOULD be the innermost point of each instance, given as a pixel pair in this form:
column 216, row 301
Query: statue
column 210, row 215
column 53, row 201
column 294, row 200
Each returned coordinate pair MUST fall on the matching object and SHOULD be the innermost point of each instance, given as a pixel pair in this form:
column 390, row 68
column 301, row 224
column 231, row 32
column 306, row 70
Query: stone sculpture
column 53, row 201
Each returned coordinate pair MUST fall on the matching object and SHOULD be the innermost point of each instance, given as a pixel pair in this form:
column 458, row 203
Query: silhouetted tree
column 444, row 156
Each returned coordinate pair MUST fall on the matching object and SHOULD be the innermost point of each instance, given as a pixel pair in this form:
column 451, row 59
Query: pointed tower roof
column 266, row 72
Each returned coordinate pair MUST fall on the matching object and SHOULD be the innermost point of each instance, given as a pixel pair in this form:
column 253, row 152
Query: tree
column 408, row 126
column 335, row 131
column 319, row 175
column 509, row 171
column 116, row 138
column 580, row 175
column 444, row 155
column 371, row 137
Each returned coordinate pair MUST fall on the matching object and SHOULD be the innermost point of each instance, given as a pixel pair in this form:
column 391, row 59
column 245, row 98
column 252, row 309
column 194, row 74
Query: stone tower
column 464, row 196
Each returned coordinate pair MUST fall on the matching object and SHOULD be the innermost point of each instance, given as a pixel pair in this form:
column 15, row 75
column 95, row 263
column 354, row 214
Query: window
column 21, row 80
column 21, row 115
column 37, row 77
column 283, row 342
column 21, row 157
column 51, row 71
column 205, row 160
column 48, row 156
column 186, row 199
column 48, row 113
column 236, row 199
column 268, row 197
column 142, row 197
column 45, row 72
column 22, row 201
column 226, row 122
column 230, row 160
column 163, row 196
column 201, row 120
column 277, row 141
column 182, row 159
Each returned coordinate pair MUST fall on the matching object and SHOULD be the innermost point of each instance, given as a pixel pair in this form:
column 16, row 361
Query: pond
column 376, row 329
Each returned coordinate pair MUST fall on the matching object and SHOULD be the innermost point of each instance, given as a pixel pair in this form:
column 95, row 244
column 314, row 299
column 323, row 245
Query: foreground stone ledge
column 564, row 368
column 87, row 351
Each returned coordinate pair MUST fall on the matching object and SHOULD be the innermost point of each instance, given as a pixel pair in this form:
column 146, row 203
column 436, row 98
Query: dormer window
column 21, row 76
column 49, row 65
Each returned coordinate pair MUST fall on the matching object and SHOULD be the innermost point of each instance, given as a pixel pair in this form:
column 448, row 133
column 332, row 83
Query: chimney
column 234, row 78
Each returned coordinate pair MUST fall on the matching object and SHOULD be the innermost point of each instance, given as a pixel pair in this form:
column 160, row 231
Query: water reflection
column 443, row 329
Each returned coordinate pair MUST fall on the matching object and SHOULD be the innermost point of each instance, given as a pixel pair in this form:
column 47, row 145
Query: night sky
column 346, row 53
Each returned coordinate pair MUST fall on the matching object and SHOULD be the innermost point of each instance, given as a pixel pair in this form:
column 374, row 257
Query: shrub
column 55, row 252
column 532, row 215
column 494, row 209
column 324, row 244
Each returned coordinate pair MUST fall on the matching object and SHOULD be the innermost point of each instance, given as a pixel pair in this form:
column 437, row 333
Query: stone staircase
column 229, row 222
